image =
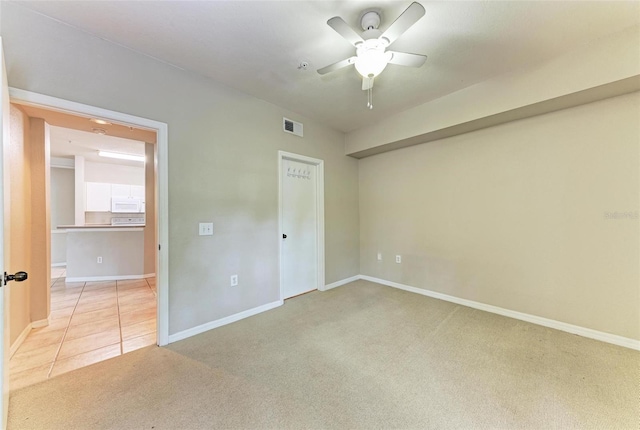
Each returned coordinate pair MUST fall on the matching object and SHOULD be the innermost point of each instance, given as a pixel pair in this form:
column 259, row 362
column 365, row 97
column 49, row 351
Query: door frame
column 5, row 239
column 29, row 98
column 282, row 155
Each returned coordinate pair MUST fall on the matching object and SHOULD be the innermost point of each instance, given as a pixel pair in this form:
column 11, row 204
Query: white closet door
column 300, row 226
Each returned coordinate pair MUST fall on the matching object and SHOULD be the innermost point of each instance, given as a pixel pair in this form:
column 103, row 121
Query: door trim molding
column 29, row 98
column 282, row 155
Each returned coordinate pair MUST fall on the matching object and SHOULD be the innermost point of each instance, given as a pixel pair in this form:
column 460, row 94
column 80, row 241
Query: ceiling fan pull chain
column 368, row 97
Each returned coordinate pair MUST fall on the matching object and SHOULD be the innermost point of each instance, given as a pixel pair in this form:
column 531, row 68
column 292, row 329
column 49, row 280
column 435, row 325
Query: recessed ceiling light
column 99, row 130
column 100, row 121
column 121, row 156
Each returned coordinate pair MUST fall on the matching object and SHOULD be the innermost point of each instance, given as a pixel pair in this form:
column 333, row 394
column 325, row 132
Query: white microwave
column 126, row 205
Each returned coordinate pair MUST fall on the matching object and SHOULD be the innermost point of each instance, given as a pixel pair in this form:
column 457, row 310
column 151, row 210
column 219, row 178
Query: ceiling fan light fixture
column 371, row 61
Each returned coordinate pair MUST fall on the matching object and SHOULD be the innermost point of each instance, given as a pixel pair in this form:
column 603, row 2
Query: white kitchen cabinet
column 137, row 191
column 97, row 197
column 120, row 190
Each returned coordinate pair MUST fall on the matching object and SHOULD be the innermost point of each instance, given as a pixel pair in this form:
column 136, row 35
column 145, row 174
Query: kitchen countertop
column 99, row 226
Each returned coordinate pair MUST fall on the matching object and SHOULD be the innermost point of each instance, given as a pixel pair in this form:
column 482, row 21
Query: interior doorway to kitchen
column 103, row 235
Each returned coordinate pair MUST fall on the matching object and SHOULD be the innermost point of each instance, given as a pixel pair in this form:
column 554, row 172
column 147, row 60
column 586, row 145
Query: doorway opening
column 102, row 305
column 301, row 224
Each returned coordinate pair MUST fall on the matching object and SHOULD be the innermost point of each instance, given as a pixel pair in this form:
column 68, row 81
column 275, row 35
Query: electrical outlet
column 398, row 258
column 99, row 260
column 206, row 229
column 234, row 280
column 379, row 256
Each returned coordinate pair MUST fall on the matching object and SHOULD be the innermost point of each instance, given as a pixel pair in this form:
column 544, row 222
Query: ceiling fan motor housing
column 370, row 20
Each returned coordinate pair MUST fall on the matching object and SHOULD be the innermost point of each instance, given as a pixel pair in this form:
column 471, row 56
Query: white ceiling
column 66, row 143
column 256, row 46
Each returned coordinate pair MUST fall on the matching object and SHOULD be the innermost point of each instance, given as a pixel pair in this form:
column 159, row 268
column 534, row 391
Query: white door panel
column 300, row 225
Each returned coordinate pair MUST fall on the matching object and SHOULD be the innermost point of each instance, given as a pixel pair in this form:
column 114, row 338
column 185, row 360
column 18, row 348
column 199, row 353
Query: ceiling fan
column 371, row 56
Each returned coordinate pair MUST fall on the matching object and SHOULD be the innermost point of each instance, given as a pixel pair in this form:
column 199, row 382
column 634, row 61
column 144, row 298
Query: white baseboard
column 341, row 282
column 16, row 344
column 58, row 264
column 223, row 321
column 107, row 278
column 40, row 323
column 546, row 322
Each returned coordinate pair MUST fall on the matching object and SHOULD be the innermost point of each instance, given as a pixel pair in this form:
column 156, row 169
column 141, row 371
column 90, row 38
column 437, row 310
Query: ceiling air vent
column 291, row 127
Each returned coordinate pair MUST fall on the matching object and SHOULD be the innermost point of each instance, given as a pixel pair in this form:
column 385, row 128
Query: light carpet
column 359, row 356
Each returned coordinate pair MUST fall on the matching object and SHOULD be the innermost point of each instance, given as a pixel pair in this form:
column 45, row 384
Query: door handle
column 18, row 277
column 284, row 236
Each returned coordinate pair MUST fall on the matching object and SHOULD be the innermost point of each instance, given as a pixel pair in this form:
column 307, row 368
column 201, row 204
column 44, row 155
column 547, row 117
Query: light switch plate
column 398, row 258
column 206, row 229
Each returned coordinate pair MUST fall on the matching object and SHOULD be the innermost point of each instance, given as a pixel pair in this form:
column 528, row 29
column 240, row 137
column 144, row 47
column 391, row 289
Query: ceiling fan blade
column 406, row 59
column 410, row 16
column 336, row 66
column 367, row 83
column 343, row 29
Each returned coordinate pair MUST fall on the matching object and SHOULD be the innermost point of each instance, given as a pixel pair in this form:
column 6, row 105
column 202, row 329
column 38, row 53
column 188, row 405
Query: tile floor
column 89, row 322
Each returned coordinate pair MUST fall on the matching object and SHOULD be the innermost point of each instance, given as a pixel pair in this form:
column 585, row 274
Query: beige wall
column 515, row 216
column 79, row 187
column 223, row 148
column 40, row 219
column 62, row 196
column 19, row 156
column 62, row 210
